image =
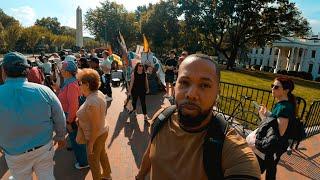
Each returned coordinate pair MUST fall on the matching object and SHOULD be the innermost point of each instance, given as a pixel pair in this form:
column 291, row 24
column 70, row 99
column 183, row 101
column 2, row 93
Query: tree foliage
column 50, row 23
column 106, row 21
column 233, row 25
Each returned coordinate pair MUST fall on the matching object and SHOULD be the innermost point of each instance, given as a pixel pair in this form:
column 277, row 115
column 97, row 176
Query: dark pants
column 107, row 85
column 270, row 166
column 79, row 149
column 142, row 98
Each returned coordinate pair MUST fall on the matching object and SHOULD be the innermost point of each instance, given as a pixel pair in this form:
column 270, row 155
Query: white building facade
column 289, row 54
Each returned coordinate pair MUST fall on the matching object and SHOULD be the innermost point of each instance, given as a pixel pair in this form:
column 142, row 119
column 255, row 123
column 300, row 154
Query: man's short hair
column 207, row 58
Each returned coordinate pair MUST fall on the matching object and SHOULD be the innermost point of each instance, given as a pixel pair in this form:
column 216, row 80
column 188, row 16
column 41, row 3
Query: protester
column 92, row 128
column 283, row 112
column 46, row 66
column 105, row 87
column 170, row 66
column 83, row 63
column 193, row 142
column 35, row 74
column 139, row 87
column 1, row 78
column 29, row 114
column 69, row 95
column 182, row 57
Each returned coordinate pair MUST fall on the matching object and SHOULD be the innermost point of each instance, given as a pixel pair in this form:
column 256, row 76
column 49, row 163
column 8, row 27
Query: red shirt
column 69, row 98
column 35, row 75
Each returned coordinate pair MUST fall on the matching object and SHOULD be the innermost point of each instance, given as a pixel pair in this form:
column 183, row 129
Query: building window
column 262, row 51
column 270, row 51
column 319, row 70
column 310, row 68
column 313, row 54
column 274, row 63
column 300, row 53
column 255, row 61
column 277, row 52
column 256, row 51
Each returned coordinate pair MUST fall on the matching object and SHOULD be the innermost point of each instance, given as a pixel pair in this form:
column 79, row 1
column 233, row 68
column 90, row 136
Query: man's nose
column 192, row 93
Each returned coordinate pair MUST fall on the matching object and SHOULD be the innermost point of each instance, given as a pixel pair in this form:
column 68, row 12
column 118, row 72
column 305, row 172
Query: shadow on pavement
column 3, row 166
column 300, row 163
column 138, row 139
column 121, row 122
column 64, row 166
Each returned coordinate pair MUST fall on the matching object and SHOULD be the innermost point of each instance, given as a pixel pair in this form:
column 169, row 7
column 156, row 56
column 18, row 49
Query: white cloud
column 25, row 14
column 315, row 25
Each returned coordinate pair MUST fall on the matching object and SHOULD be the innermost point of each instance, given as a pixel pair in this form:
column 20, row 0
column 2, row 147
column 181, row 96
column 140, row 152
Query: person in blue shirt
column 30, row 113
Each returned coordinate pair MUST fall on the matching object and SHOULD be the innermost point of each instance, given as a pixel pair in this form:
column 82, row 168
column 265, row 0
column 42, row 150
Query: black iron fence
column 312, row 121
column 232, row 103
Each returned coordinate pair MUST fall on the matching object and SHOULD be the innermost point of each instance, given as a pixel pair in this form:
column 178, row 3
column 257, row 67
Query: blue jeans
column 78, row 149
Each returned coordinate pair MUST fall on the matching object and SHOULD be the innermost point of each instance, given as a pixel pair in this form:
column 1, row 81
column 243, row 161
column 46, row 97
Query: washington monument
column 79, row 30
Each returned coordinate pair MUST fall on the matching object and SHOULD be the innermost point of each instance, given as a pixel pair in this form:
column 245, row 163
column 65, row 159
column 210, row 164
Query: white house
column 291, row 54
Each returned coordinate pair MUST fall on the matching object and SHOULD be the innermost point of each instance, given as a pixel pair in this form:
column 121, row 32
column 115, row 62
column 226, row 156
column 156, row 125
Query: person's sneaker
column 109, row 98
column 77, row 166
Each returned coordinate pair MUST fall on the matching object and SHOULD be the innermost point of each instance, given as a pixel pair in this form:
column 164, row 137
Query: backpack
column 213, row 142
column 297, row 132
column 268, row 137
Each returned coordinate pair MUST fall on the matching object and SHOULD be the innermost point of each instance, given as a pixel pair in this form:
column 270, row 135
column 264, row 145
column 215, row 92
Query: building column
column 264, row 58
column 302, row 61
column 296, row 60
column 278, row 62
column 272, row 56
column 290, row 60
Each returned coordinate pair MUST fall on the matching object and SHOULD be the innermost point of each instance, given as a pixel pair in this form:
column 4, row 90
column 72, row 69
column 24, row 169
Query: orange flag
column 145, row 44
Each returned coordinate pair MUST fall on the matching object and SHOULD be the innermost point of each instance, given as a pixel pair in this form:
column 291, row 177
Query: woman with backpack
column 276, row 128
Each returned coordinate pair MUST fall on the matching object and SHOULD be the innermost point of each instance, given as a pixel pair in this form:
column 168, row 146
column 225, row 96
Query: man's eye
column 205, row 85
column 183, row 83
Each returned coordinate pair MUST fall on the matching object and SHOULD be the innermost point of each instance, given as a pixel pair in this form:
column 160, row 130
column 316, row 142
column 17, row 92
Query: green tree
column 12, row 35
column 106, row 21
column 50, row 23
column 90, row 43
column 231, row 26
column 161, row 25
column 6, row 20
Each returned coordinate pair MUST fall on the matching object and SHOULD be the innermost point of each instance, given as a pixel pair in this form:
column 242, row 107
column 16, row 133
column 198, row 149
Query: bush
column 305, row 75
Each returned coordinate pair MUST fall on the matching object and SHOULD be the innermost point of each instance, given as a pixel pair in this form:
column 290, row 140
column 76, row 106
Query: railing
column 230, row 95
column 312, row 122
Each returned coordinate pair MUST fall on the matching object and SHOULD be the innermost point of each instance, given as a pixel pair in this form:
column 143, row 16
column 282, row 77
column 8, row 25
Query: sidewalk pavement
column 128, row 138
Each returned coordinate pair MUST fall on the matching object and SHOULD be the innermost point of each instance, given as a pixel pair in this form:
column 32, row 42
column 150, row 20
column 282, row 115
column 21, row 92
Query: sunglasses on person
column 140, row 65
column 275, row 86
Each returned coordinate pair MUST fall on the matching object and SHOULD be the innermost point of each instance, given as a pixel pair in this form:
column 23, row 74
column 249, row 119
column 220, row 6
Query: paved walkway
column 129, row 136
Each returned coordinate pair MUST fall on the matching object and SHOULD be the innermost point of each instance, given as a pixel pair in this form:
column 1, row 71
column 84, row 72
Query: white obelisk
column 79, row 30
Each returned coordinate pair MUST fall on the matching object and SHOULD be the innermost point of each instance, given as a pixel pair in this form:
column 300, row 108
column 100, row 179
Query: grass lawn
column 306, row 90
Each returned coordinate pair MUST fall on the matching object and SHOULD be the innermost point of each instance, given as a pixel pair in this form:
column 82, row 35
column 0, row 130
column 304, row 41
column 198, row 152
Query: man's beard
column 189, row 121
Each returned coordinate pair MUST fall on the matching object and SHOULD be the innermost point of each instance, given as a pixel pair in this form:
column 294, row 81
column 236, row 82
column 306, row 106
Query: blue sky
column 27, row 11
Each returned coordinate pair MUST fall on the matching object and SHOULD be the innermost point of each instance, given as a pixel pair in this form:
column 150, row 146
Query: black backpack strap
column 161, row 120
column 212, row 147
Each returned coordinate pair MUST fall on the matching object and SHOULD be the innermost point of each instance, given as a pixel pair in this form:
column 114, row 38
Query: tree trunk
column 231, row 60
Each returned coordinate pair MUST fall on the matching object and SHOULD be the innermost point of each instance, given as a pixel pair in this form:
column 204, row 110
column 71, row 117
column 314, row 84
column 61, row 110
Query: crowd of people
column 188, row 139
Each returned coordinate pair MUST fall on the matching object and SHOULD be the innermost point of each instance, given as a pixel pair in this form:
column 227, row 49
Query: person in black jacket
column 139, row 87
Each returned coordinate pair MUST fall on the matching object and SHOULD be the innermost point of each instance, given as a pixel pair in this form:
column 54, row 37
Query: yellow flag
column 109, row 48
column 145, row 44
